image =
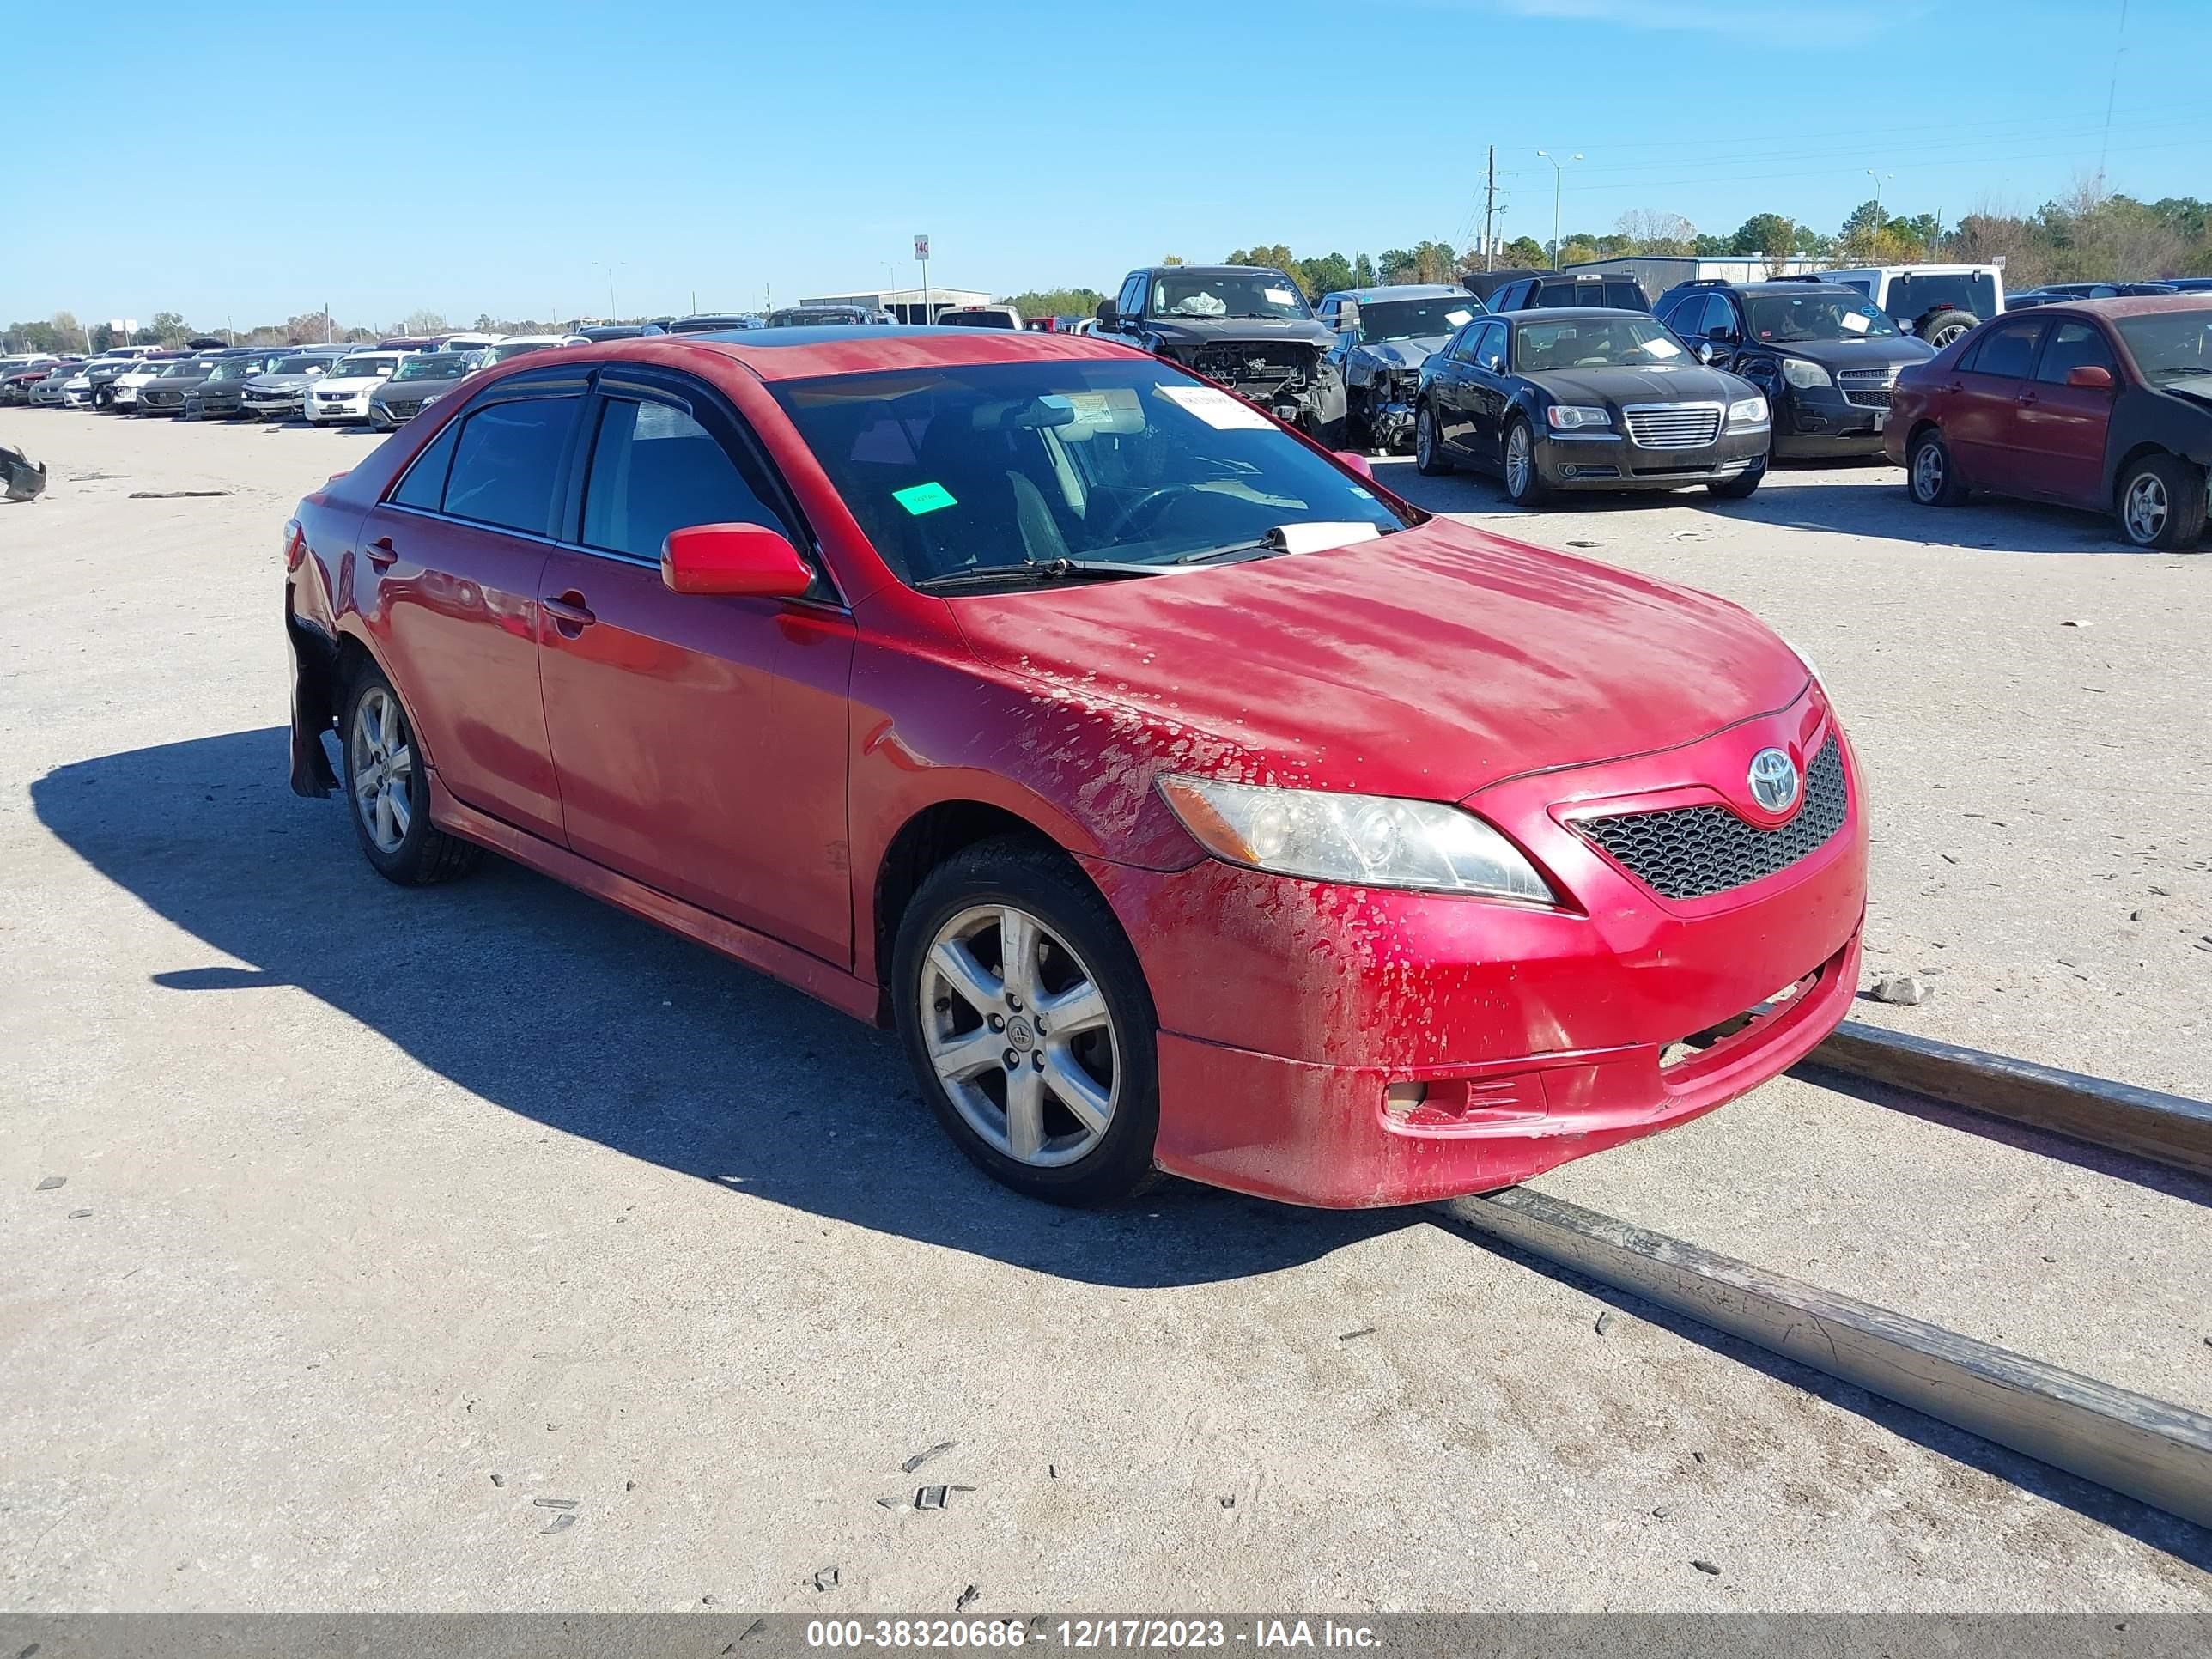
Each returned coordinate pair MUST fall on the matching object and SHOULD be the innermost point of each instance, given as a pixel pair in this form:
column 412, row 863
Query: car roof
column 1401, row 291
column 1567, row 314
column 2134, row 305
column 802, row 354
column 1219, row 270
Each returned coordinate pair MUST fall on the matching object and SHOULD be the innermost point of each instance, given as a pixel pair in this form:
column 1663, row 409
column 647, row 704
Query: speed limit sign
column 921, row 248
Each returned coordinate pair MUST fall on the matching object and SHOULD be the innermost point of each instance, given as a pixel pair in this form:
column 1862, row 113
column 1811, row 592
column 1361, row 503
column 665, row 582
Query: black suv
column 1245, row 326
column 1825, row 355
column 1546, row 290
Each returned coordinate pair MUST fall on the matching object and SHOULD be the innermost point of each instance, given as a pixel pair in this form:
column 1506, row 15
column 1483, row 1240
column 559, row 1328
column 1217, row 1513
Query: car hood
column 177, row 382
column 1431, row 663
column 1203, row 330
column 350, row 382
column 283, row 382
column 1406, row 354
column 1641, row 385
column 408, row 390
column 1855, row 354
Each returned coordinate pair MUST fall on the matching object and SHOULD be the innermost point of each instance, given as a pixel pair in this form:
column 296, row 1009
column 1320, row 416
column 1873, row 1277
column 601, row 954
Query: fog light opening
column 1404, row 1099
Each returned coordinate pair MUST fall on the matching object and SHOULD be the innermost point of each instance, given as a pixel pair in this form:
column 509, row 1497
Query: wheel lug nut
column 1037, row 1059
column 1013, row 1002
column 1013, row 1060
column 997, row 1023
column 943, row 1004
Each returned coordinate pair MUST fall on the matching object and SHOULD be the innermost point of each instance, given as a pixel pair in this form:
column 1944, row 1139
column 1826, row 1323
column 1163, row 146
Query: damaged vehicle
column 1383, row 335
column 1246, row 327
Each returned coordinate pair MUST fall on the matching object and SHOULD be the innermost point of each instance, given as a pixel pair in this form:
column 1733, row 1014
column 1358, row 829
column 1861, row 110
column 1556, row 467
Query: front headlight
column 1800, row 373
column 1364, row 841
column 1569, row 417
column 1748, row 412
column 1811, row 667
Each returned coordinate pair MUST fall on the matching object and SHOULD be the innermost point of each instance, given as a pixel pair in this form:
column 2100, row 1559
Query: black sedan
column 1587, row 399
column 421, row 378
column 165, row 394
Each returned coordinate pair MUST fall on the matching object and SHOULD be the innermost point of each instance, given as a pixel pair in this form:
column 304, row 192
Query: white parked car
column 1936, row 302
column 514, row 345
column 123, row 390
column 342, row 395
column 467, row 342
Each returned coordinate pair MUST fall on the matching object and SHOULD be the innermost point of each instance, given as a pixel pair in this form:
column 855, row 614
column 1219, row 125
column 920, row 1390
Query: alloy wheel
column 1520, row 461
column 1018, row 1032
column 1425, row 439
column 2146, row 508
column 382, row 762
column 1928, row 471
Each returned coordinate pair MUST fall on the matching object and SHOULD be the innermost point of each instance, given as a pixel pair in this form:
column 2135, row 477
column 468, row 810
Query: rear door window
column 2007, row 351
column 507, row 463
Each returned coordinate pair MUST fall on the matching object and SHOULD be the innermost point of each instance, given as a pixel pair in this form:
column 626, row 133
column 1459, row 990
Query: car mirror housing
column 1358, row 462
column 2095, row 376
column 733, row 558
column 1109, row 316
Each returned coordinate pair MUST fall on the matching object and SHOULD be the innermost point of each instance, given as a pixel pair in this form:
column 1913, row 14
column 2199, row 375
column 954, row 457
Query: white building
column 1655, row 273
column 905, row 303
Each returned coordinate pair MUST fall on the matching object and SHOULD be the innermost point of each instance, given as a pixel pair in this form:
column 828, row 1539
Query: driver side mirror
column 1357, row 462
column 733, row 558
column 1707, row 350
column 2095, row 376
column 1719, row 333
column 1347, row 317
column 1108, row 315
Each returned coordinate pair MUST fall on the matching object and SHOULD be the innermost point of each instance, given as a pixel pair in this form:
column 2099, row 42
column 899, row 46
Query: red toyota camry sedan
column 1187, row 801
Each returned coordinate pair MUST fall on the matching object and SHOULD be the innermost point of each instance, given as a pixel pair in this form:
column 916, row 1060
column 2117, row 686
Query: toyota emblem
column 1773, row 780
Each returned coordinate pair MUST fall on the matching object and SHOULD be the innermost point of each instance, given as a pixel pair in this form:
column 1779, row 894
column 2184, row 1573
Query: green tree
column 1579, row 250
column 1362, row 272
column 1522, row 252
column 1172, row 260
column 1325, row 275
column 1274, row 255
column 1056, row 302
column 1770, row 235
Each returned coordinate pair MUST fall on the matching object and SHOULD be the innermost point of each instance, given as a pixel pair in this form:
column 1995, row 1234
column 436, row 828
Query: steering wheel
column 1151, row 501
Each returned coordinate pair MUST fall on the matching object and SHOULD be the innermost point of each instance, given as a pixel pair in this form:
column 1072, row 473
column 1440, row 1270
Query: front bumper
column 1610, row 460
column 272, row 407
column 160, row 403
column 1287, row 1007
column 220, row 406
column 349, row 409
column 1815, row 420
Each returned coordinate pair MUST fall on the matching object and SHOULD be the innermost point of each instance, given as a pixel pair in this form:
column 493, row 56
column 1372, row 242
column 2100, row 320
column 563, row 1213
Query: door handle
column 2029, row 400
column 382, row 554
column 569, row 613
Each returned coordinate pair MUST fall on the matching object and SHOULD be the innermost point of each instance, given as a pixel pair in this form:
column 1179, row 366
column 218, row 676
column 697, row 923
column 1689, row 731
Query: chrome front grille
column 1867, row 388
column 1672, row 426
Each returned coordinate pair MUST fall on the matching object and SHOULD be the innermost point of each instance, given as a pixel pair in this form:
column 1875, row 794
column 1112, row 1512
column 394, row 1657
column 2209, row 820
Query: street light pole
column 610, row 269
column 1558, row 175
column 1879, row 221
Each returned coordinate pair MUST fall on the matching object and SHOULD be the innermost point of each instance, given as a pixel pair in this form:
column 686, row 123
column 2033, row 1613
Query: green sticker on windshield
column 921, row 498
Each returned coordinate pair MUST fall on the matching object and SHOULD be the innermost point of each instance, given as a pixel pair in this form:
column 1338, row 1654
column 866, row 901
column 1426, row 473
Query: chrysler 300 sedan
column 1185, row 801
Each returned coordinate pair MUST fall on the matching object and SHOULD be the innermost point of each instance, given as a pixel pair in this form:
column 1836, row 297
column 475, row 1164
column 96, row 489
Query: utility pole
column 1490, row 213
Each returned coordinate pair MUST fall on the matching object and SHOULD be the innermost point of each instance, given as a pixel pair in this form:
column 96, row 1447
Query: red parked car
column 1185, row 800
column 2100, row 404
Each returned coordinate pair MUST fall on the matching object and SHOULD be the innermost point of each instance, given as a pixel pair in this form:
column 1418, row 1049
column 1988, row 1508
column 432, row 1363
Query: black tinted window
column 653, row 470
column 1490, row 346
column 507, row 463
column 2007, row 350
column 2073, row 345
column 1625, row 296
column 424, row 486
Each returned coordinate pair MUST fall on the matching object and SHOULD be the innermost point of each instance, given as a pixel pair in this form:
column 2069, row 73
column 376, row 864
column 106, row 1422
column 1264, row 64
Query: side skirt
column 840, row 989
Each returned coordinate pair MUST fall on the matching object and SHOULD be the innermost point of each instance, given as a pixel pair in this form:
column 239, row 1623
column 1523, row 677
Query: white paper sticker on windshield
column 1853, row 321
column 1662, row 350
column 1216, row 408
column 1459, row 319
column 1279, row 297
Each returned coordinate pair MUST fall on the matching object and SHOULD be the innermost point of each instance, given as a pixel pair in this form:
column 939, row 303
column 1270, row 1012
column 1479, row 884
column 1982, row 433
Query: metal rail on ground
column 2148, row 1448
column 2169, row 1129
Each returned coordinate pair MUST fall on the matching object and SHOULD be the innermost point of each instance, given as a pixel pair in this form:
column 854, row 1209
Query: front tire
column 1429, row 445
column 1028, row 1025
column 1930, row 473
column 1741, row 485
column 2161, row 503
column 390, row 791
column 1524, row 479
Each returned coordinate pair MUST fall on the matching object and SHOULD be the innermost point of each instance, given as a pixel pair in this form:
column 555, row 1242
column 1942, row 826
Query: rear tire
column 1074, row 1116
column 1429, row 445
column 2161, row 503
column 1931, row 474
column 388, row 790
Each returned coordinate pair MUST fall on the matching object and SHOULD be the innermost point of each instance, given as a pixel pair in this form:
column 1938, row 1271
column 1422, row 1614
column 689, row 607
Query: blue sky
column 481, row 157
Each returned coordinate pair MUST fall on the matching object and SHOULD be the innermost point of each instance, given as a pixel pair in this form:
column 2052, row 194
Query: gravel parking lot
column 390, row 1217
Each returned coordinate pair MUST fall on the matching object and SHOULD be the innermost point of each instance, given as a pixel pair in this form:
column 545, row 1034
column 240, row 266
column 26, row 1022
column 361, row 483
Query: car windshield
column 238, row 368
column 362, row 368
column 2169, row 345
column 1596, row 343
column 500, row 353
column 815, row 317
column 1128, row 464
column 439, row 365
column 1414, row 319
column 1232, row 294
column 1818, row 314
column 297, row 365
column 180, row 369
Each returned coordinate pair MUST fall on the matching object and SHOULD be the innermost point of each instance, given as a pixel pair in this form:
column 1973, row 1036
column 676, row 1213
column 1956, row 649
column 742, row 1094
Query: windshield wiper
column 1051, row 570
column 1266, row 548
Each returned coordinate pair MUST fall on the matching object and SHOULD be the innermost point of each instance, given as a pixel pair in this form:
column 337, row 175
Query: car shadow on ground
column 1798, row 496
column 541, row 1001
